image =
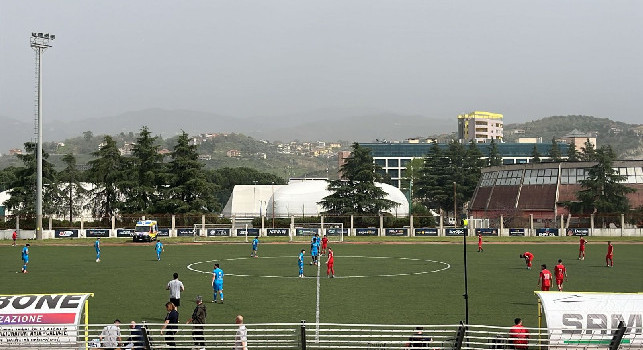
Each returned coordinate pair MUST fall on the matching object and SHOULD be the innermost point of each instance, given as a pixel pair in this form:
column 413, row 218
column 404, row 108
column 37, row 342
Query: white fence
column 321, row 336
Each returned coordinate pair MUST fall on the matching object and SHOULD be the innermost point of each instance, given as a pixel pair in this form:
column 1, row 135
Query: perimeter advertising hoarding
column 163, row 232
column 248, row 232
column 66, row 233
column 365, row 232
column 184, row 231
column 218, row 232
column 455, row 231
column 591, row 318
column 487, row 231
column 516, row 232
column 545, row 232
column 333, row 231
column 97, row 232
column 125, row 232
column 40, row 319
column 426, row 231
column 278, row 231
column 396, row 232
column 578, row 232
column 306, row 231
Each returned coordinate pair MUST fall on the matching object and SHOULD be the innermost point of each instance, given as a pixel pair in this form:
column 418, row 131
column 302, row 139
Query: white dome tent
column 298, row 198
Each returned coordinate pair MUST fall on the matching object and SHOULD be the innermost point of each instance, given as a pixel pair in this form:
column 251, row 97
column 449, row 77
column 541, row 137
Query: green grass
column 130, row 284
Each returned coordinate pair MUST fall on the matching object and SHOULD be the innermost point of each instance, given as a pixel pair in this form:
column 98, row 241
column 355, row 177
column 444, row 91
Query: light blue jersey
column 301, row 259
column 97, row 247
column 159, row 250
column 25, row 254
column 255, row 243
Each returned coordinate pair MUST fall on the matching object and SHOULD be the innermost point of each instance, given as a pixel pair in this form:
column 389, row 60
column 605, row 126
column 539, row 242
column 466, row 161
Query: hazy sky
column 525, row 59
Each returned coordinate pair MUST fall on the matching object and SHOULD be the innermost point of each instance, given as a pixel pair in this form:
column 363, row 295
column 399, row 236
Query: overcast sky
column 524, row 59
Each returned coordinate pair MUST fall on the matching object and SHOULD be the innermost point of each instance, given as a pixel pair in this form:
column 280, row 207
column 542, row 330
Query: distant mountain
column 325, row 125
column 625, row 139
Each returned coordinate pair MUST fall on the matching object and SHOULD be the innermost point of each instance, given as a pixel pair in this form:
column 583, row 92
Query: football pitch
column 418, row 283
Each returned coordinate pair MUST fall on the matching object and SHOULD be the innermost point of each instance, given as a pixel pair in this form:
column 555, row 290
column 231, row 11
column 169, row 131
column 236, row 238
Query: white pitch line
column 317, row 311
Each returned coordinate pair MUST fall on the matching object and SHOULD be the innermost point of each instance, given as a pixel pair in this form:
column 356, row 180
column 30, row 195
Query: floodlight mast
column 39, row 42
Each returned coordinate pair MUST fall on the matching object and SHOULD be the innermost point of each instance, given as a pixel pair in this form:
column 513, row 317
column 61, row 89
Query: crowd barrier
column 320, row 336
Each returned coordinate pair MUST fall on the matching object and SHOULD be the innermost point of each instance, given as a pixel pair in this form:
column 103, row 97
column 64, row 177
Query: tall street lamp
column 39, row 42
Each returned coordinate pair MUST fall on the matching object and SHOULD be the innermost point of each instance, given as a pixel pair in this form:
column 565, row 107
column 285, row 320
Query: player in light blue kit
column 314, row 250
column 300, row 262
column 25, row 257
column 97, row 247
column 159, row 249
column 255, row 243
column 217, row 283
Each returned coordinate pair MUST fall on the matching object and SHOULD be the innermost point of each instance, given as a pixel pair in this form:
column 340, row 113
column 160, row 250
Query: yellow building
column 480, row 126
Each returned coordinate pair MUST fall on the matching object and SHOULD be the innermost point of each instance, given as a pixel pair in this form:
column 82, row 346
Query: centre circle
column 441, row 266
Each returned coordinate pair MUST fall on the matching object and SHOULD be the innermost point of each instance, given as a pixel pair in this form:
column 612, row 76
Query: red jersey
column 610, row 249
column 331, row 257
column 519, row 335
column 529, row 256
column 582, row 243
column 559, row 271
column 324, row 241
column 14, row 235
column 480, row 241
column 545, row 277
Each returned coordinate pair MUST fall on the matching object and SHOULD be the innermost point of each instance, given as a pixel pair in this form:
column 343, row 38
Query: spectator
column 171, row 320
column 198, row 317
column 519, row 335
column 175, row 287
column 241, row 338
column 418, row 340
column 135, row 340
column 110, row 337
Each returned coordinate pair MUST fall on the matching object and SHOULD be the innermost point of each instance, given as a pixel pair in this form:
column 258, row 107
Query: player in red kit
column 545, row 277
column 609, row 258
column 581, row 248
column 480, row 243
column 528, row 259
column 324, row 245
column 519, row 335
column 330, row 264
column 561, row 273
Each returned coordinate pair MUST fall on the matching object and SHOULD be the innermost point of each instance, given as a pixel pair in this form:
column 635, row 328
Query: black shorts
column 176, row 302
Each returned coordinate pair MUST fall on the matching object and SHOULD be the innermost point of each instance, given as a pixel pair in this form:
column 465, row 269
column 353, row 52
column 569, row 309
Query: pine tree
column 588, row 152
column 430, row 186
column 22, row 191
column 495, row 159
column 554, row 151
column 70, row 182
column 108, row 174
column 356, row 192
column 147, row 175
column 189, row 190
column 535, row 155
column 602, row 190
column 572, row 153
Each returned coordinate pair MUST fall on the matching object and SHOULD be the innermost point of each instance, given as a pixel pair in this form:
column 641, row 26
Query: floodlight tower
column 39, row 42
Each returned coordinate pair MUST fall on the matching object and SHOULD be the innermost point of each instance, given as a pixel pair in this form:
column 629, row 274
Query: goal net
column 221, row 233
column 304, row 232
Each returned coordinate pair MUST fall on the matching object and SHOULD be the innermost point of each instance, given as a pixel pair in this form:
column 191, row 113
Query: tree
column 572, row 153
column 602, row 190
column 411, row 177
column 107, row 173
column 554, row 151
column 356, row 192
column 73, row 189
column 189, row 189
column 147, row 174
column 430, row 188
column 23, row 187
column 495, row 159
column 535, row 155
column 588, row 152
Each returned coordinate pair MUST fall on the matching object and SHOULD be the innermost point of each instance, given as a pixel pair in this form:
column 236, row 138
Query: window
column 393, row 163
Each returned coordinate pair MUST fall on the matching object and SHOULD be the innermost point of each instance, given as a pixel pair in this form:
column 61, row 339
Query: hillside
column 625, row 139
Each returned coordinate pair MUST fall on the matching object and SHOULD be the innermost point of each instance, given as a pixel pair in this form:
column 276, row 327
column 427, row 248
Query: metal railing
column 312, row 336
